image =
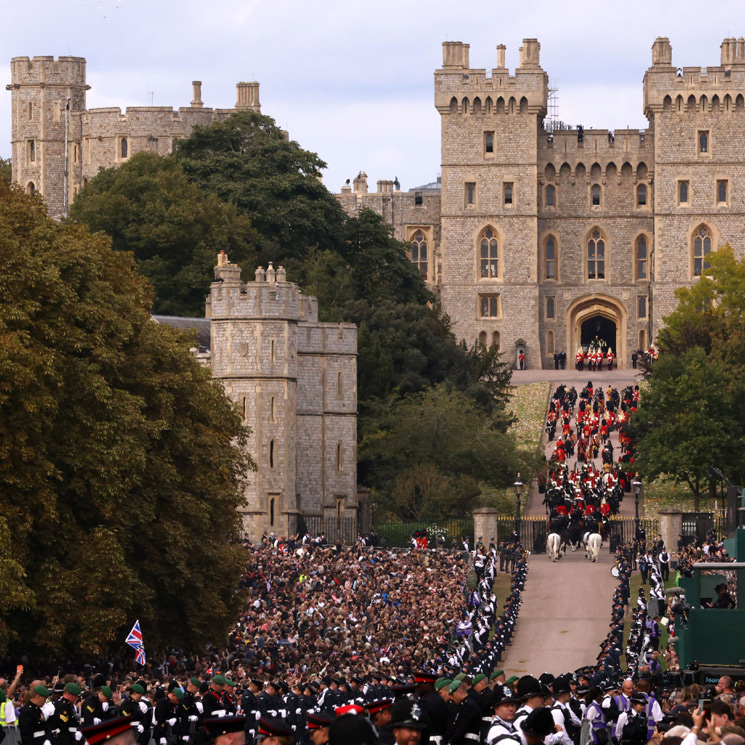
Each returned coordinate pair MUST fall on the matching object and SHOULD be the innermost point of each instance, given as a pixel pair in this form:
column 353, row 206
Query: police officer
column 631, row 728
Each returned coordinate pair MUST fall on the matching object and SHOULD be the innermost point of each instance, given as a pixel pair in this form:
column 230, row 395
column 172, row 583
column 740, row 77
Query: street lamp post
column 518, row 495
column 637, row 491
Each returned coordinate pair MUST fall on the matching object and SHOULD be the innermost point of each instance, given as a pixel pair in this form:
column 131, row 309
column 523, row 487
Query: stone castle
column 58, row 144
column 541, row 237
column 294, row 381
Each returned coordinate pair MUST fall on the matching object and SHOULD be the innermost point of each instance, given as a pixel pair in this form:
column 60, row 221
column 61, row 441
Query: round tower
column 47, row 96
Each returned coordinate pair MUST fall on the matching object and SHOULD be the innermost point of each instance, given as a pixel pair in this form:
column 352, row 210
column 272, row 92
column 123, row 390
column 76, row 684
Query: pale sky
column 353, row 81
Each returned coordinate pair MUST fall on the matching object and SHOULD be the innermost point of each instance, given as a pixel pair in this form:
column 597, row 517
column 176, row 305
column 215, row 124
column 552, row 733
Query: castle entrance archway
column 598, row 331
column 597, row 317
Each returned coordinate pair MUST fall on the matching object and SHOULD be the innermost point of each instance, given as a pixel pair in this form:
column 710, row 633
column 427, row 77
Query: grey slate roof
column 200, row 325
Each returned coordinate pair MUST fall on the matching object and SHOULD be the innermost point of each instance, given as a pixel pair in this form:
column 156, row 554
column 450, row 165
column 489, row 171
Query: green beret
column 195, row 682
column 454, row 686
column 231, row 682
column 41, row 691
column 511, row 680
column 459, row 677
column 107, row 692
column 479, row 678
column 219, row 680
column 73, row 688
column 136, row 688
column 441, row 683
column 496, row 674
column 178, row 693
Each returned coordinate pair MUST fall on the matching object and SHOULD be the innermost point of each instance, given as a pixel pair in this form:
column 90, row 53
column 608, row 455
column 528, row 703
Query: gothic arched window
column 419, row 252
column 596, row 256
column 549, row 258
column 701, row 249
column 123, row 148
column 641, row 257
column 489, row 255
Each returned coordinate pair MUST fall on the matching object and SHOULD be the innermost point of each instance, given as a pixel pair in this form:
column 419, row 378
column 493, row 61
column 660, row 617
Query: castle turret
column 47, row 97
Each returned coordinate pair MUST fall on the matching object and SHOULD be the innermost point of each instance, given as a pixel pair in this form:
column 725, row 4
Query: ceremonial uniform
column 32, row 726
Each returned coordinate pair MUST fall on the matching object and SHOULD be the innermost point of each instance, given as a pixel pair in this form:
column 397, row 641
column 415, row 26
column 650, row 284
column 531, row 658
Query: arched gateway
column 597, row 317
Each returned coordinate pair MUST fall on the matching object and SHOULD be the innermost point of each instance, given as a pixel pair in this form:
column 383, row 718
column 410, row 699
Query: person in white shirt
column 631, row 726
column 501, row 726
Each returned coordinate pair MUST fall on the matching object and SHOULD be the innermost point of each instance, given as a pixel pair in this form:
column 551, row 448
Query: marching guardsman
column 97, row 707
column 166, row 715
column 212, row 701
column 318, row 727
column 64, row 723
column 31, row 724
column 188, row 710
column 116, row 731
column 134, row 708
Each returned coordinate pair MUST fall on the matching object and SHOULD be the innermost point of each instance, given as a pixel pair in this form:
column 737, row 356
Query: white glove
column 219, row 713
column 258, row 716
column 143, row 707
column 193, row 718
column 46, row 742
column 96, row 721
column 298, row 710
column 78, row 735
column 200, row 707
column 48, row 709
column 172, row 721
column 105, row 705
column 140, row 728
column 273, row 713
column 185, row 738
column 163, row 741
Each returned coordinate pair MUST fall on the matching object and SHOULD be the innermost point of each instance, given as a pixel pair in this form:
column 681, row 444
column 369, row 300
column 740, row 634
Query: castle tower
column 490, row 125
column 698, row 114
column 294, row 381
column 40, row 90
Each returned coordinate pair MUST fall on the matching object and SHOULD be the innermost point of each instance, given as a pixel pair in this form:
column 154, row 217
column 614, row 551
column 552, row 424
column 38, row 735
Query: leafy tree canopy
column 6, row 171
column 148, row 206
column 693, row 415
column 121, row 460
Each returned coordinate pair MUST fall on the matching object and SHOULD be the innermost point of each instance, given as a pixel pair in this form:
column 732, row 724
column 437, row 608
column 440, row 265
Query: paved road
column 566, row 605
column 565, row 614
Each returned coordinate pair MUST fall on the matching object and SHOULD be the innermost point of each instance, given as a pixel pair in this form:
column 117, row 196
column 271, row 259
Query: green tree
column 432, row 454
column 693, row 412
column 248, row 161
column 6, row 171
column 121, row 461
column 149, row 207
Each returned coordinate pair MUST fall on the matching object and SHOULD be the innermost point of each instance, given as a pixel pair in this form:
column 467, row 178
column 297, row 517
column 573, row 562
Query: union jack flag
column 140, row 656
column 135, row 636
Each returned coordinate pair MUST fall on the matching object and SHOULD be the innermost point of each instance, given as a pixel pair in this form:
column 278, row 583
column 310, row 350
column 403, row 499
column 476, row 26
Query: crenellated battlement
column 584, row 147
column 691, row 89
column 460, row 89
column 48, row 71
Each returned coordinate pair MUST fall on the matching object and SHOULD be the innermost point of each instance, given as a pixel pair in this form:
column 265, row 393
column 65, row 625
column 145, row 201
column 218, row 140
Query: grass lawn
column 636, row 583
column 529, row 403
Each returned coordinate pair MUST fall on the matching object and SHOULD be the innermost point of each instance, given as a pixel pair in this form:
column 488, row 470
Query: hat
column 459, row 677
column 406, row 713
column 479, row 678
column 320, row 719
column 454, row 686
column 440, row 683
column 220, row 680
column 136, row 688
column 73, row 689
column 106, row 730
column 271, row 727
column 348, row 709
column 107, row 692
column 561, row 685
column 352, row 730
column 638, row 698
column 178, row 693
column 217, row 726
column 496, row 674
column 195, row 682
column 498, row 697
column 231, row 682
column 375, row 707
column 425, row 678
column 403, row 688
column 539, row 723
column 527, row 687
column 41, row 691
column 511, row 680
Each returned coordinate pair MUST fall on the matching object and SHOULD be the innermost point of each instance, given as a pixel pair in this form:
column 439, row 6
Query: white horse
column 553, row 546
column 594, row 541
